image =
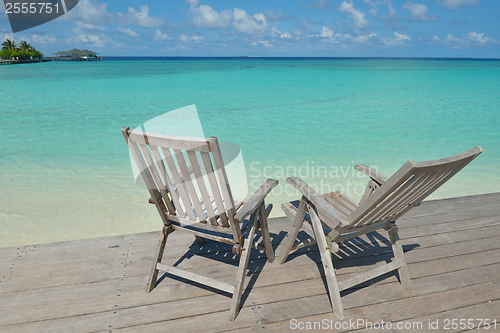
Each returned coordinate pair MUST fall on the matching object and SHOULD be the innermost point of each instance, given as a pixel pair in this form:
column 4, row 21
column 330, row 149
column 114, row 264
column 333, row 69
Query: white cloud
column 128, row 32
column 187, row 39
column 82, row 28
column 359, row 18
column 160, row 36
column 456, row 4
column 197, row 39
column 265, row 43
column 391, row 13
column 36, row 39
column 7, row 36
column 45, row 39
column 436, row 38
column 279, row 33
column 141, row 19
column 247, row 24
column 398, row 39
column 91, row 12
column 82, row 25
column 326, row 32
column 472, row 39
column 363, row 38
column 450, row 39
column 480, row 39
column 205, row 17
column 99, row 41
column 419, row 12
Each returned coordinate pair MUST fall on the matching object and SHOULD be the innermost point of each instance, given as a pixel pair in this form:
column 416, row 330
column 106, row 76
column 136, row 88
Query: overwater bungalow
column 77, row 55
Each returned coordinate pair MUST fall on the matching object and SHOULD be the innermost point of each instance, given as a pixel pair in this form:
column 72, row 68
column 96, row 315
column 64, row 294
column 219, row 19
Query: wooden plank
column 283, row 311
column 468, row 215
column 467, row 314
column 424, row 284
column 57, row 269
column 50, row 267
column 447, row 265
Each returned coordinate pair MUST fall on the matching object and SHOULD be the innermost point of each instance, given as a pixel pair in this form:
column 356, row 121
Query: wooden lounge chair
column 384, row 201
column 197, row 199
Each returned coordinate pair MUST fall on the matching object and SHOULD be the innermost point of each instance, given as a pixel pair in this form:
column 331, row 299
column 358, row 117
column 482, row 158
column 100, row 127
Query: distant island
column 11, row 51
column 76, row 55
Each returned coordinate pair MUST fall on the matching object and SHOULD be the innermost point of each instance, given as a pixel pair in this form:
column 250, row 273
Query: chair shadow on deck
column 221, row 253
column 355, row 252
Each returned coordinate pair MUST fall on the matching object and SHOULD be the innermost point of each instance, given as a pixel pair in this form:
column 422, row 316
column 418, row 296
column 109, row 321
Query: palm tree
column 25, row 46
column 9, row 45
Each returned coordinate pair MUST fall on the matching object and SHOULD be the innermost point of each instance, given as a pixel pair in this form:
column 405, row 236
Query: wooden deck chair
column 384, row 201
column 188, row 184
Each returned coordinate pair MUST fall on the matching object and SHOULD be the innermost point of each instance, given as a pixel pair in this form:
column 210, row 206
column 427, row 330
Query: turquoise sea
column 65, row 172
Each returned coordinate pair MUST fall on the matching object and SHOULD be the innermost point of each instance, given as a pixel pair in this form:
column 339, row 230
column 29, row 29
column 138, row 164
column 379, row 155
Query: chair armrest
column 256, row 199
column 319, row 202
column 372, row 173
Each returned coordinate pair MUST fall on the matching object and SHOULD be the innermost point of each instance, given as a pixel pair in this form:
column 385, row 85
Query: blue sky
column 331, row 28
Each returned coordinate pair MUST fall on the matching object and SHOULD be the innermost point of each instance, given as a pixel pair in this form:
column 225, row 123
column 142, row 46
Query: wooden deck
column 98, row 285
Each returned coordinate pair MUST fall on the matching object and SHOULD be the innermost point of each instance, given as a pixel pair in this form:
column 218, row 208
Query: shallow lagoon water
column 65, row 171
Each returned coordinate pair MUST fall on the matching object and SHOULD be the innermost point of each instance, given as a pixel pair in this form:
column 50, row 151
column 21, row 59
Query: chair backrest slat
column 164, row 173
column 195, row 200
column 207, row 164
column 179, row 185
column 172, row 188
column 223, row 181
column 411, row 184
column 394, row 198
column 442, row 180
column 160, row 186
column 207, row 202
column 188, row 172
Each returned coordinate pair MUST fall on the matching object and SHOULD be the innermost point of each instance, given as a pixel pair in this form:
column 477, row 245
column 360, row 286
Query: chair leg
column 326, row 259
column 200, row 240
column 240, row 276
column 404, row 275
column 265, row 232
column 292, row 235
column 161, row 248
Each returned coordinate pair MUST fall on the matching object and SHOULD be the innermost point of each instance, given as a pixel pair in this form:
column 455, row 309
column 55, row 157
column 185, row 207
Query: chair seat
column 337, row 199
column 342, row 203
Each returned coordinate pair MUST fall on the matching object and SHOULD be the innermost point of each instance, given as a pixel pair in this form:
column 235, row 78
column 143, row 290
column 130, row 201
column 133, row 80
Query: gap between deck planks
column 76, row 307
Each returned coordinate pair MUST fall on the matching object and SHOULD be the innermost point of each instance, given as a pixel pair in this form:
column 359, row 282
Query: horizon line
column 310, row 57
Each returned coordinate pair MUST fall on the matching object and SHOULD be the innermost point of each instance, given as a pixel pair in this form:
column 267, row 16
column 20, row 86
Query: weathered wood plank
column 139, row 259
column 454, row 259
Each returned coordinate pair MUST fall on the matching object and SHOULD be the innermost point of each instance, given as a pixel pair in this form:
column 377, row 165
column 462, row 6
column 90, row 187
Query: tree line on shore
column 22, row 51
